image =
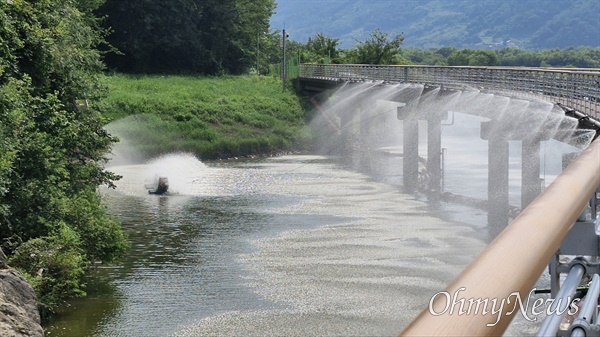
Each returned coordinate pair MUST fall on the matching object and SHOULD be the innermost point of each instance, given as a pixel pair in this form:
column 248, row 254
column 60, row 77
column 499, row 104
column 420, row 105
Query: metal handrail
column 511, row 264
column 577, row 88
column 552, row 323
column 588, row 312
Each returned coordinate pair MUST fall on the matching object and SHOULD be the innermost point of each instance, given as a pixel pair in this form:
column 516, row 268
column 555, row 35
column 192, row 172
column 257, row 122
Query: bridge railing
column 576, row 88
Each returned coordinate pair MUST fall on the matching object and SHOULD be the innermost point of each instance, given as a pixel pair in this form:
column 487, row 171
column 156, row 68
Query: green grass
column 217, row 117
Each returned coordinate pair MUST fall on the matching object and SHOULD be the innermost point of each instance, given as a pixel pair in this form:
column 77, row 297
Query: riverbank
column 211, row 117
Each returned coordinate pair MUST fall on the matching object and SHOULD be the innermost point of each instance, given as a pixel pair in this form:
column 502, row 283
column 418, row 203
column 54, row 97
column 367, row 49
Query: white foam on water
column 183, row 170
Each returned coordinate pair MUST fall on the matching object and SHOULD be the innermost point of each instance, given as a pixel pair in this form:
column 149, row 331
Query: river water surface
column 290, row 245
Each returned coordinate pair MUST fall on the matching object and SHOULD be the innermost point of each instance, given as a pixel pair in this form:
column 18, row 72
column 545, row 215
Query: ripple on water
column 369, row 275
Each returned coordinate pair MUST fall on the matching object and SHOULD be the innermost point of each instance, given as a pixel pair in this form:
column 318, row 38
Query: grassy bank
column 211, row 117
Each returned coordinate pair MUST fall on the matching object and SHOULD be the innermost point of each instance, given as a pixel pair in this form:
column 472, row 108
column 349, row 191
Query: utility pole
column 257, row 53
column 283, row 64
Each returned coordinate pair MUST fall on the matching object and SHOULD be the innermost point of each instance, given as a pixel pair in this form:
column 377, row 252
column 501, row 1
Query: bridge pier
column 498, row 167
column 531, row 185
column 498, row 181
column 498, row 151
column 434, row 153
column 410, row 165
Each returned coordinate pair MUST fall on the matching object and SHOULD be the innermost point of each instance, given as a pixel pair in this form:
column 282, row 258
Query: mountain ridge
column 528, row 24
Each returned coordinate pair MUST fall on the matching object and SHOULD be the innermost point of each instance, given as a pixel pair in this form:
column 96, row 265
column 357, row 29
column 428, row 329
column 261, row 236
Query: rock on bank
column 19, row 315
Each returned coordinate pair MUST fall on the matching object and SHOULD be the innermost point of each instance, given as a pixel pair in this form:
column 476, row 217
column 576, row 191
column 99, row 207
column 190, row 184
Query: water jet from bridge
column 481, row 149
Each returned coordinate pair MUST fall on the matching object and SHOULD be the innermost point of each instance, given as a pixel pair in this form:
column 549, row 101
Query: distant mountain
column 530, row 24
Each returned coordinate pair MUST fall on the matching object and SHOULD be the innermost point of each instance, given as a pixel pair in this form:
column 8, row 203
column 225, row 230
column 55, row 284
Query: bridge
column 557, row 228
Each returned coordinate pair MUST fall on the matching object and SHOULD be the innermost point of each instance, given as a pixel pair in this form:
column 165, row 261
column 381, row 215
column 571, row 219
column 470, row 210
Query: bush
column 54, row 265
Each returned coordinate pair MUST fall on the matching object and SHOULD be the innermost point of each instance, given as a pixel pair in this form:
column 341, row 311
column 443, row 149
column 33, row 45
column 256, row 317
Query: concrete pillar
column 497, row 182
column 531, row 185
column 410, row 166
column 434, row 152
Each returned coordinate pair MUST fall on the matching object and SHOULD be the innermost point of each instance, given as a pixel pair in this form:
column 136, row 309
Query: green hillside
column 531, row 24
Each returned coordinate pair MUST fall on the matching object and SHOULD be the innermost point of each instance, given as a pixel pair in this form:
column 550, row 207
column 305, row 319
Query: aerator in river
column 162, row 186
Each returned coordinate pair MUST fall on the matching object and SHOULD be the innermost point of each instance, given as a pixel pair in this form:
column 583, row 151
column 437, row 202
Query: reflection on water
column 293, row 245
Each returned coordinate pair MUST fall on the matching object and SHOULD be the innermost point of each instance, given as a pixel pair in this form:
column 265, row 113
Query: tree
column 322, row 49
column 378, row 49
column 253, row 29
column 52, row 225
column 425, row 57
column 484, row 58
column 470, row 57
column 197, row 36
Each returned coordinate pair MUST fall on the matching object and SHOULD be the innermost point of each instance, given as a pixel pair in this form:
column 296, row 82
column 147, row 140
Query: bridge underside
column 314, row 86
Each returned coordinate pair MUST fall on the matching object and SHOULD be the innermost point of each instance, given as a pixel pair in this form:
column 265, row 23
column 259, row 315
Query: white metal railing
column 576, row 88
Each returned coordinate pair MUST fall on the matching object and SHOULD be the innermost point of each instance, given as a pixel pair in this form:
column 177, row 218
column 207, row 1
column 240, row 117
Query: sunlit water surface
column 291, row 245
column 311, row 245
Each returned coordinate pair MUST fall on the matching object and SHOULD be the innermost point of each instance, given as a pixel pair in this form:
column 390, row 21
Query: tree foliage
column 377, row 49
column 470, row 57
column 583, row 57
column 322, row 49
column 185, row 36
column 53, row 144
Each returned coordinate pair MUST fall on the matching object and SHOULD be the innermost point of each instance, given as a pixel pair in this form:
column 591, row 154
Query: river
column 305, row 245
column 290, row 245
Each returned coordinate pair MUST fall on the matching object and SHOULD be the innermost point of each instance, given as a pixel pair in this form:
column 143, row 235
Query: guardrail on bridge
column 576, row 88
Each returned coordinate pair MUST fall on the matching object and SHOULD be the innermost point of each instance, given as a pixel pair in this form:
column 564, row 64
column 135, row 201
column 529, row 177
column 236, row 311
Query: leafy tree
column 377, row 49
column 460, row 57
column 470, row 57
column 484, row 58
column 199, row 36
column 445, row 51
column 422, row 56
column 270, row 50
column 53, row 145
column 519, row 57
column 322, row 49
column 252, row 27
